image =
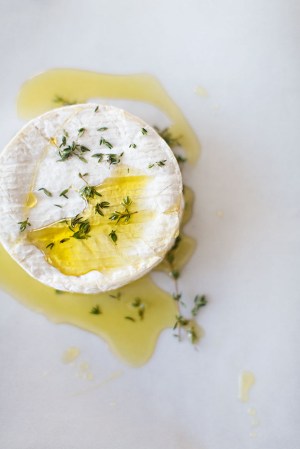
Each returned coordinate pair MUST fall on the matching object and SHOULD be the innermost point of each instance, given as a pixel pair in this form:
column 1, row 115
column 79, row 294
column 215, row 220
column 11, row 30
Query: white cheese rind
column 29, row 162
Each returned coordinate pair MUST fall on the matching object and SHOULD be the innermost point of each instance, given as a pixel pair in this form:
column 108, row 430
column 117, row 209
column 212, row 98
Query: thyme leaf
column 46, row 192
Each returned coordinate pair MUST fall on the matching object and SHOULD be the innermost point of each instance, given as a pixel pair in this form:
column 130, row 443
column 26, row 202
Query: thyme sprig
column 87, row 192
column 74, row 149
column 125, row 214
column 111, row 158
column 24, row 224
column 100, row 206
column 96, row 310
column 62, row 101
column 158, row 163
column 46, row 192
column 105, row 143
column 171, row 140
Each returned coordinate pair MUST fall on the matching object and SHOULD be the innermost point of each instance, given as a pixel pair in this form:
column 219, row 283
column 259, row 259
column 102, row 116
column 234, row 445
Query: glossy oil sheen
column 75, row 257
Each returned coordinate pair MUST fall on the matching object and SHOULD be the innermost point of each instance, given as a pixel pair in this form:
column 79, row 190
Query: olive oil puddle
column 131, row 339
column 114, row 316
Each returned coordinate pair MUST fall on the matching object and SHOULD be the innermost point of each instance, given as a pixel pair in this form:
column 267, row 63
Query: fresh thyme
column 111, row 158
column 180, row 159
column 132, row 145
column 96, row 310
column 129, row 318
column 113, row 236
column 81, row 131
column 64, row 240
column 58, row 205
column 104, row 128
column 168, row 137
column 100, row 206
column 144, row 131
column 105, row 143
column 140, row 306
column 87, row 191
column 124, row 215
column 61, row 101
column 64, row 193
column 83, row 230
column 159, row 163
column 24, row 224
column 50, row 245
column 199, row 301
column 66, row 151
column 96, row 109
column 46, row 192
column 114, row 158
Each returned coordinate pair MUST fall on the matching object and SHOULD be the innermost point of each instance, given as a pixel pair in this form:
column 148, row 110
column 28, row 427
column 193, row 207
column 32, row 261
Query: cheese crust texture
column 97, row 165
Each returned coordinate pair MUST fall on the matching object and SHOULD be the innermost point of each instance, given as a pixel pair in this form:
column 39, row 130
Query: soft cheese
column 120, row 157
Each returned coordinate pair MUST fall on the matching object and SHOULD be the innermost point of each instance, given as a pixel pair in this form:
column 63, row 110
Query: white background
column 246, row 55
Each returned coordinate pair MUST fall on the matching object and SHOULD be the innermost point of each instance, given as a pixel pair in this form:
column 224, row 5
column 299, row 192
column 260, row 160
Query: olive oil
column 130, row 319
column 78, row 256
column 133, row 341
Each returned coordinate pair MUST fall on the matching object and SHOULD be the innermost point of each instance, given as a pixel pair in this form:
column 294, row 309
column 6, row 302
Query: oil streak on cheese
column 102, row 193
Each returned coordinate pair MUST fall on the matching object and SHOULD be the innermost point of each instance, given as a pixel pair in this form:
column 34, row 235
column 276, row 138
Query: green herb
column 71, row 150
column 81, row 131
column 132, row 145
column 82, row 176
column 129, row 318
column 116, row 296
column 144, row 131
column 99, row 156
column 137, row 303
column 64, row 240
column 199, row 301
column 46, row 192
column 88, row 192
column 102, row 129
column 77, row 219
column 175, row 274
column 113, row 236
column 100, row 206
column 96, row 310
column 24, row 224
column 126, row 201
column 159, row 163
column 50, row 245
column 180, row 159
column 111, row 158
column 114, row 158
column 83, row 231
column 124, row 215
column 168, row 137
column 177, row 296
column 106, row 143
column 58, row 205
column 59, row 292
column 62, row 101
column 96, row 109
column 64, row 193
column 181, row 321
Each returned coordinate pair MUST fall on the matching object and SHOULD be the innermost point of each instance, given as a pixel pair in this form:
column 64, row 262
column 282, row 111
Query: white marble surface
column 246, row 55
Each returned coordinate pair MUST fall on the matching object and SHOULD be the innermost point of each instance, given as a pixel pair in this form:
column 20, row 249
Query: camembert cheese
column 90, row 198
